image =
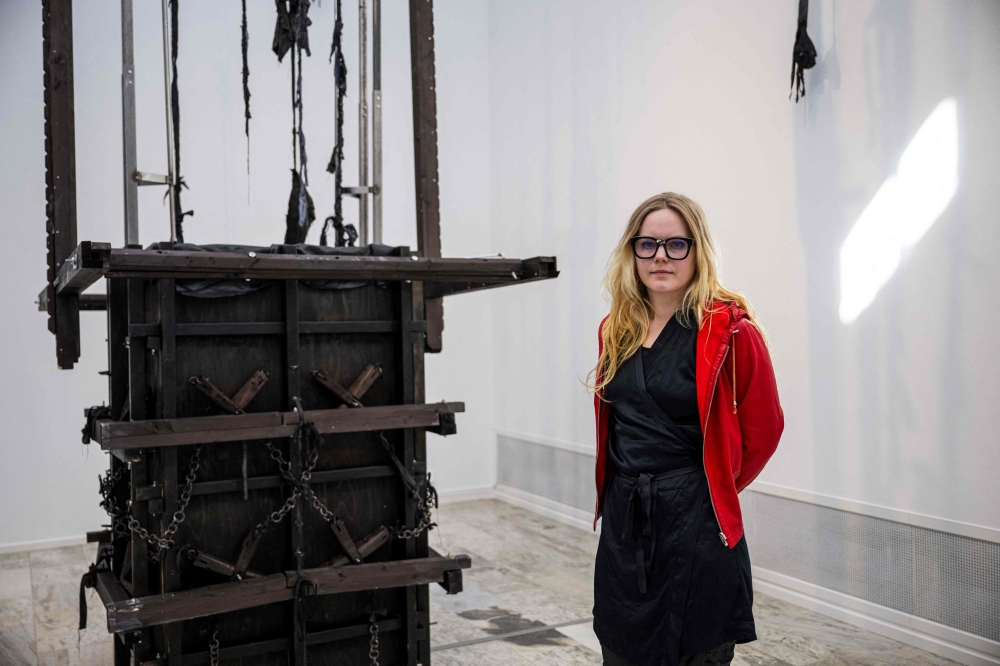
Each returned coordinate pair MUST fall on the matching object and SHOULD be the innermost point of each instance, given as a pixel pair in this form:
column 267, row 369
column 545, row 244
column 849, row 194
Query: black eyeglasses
column 645, row 247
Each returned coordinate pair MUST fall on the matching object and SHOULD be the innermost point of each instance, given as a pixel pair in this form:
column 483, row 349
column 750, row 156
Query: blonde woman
column 687, row 415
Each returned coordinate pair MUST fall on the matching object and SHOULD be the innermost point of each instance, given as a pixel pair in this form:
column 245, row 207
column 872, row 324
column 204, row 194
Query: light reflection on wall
column 901, row 212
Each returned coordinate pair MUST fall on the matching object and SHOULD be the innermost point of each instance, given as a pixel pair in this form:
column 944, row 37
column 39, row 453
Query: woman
column 687, row 415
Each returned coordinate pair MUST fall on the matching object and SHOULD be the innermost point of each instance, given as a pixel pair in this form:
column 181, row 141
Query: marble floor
column 528, row 572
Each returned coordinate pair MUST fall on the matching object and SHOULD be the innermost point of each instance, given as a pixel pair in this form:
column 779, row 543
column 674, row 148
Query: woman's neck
column 664, row 305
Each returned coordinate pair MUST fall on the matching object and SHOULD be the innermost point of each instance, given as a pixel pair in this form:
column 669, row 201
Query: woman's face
column 661, row 274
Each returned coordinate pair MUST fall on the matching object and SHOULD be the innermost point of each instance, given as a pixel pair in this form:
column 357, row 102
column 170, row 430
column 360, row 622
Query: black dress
column 664, row 583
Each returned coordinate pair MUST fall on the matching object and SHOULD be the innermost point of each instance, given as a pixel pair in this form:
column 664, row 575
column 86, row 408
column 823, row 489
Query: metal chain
column 213, row 648
column 426, row 521
column 166, row 542
column 424, row 504
column 373, row 643
column 110, row 503
column 303, row 487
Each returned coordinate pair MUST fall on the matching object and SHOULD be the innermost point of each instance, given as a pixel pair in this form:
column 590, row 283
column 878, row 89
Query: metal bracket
column 146, row 178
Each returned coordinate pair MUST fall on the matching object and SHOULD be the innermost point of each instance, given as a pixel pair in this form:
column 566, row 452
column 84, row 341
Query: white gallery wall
column 594, row 107
column 48, row 482
column 880, row 505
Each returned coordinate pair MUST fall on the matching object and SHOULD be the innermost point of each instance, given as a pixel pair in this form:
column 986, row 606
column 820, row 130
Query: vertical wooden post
column 167, row 397
column 425, row 152
column 139, row 473
column 60, row 172
column 295, row 453
column 418, row 345
column 118, row 378
column 407, row 395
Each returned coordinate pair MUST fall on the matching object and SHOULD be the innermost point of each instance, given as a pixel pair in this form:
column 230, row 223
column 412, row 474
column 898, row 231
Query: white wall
column 556, row 119
column 48, row 486
column 595, row 106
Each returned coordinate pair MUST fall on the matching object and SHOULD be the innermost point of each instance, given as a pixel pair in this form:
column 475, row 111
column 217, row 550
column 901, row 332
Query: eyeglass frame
column 661, row 242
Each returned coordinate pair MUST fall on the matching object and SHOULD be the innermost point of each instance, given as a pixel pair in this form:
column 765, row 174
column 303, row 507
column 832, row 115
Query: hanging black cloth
column 344, row 234
column 296, row 231
column 292, row 27
column 291, row 33
column 664, row 583
column 244, row 45
column 175, row 112
column 803, row 53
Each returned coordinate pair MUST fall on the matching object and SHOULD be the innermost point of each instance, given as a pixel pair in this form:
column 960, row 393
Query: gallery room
column 487, row 332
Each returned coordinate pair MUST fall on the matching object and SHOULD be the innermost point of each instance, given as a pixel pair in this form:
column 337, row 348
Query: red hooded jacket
column 740, row 431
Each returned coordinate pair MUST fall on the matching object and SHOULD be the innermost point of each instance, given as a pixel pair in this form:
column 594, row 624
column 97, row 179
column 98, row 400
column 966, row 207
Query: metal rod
column 363, row 120
column 377, row 121
column 128, row 129
column 171, row 167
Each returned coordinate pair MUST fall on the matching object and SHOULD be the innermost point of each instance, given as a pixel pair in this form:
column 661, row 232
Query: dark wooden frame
column 145, row 432
column 60, row 174
column 425, row 155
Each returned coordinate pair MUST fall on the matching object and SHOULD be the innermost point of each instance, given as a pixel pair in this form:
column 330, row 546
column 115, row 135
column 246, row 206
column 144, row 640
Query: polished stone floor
column 528, row 572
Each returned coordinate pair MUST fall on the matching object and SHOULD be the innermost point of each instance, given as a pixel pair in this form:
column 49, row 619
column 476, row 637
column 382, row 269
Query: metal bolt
column 252, row 255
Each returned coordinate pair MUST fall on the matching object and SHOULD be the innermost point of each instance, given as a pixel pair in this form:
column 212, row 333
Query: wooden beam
column 127, row 614
column 237, row 427
column 532, row 270
column 146, row 493
column 425, row 153
column 60, row 171
column 137, row 263
column 82, row 268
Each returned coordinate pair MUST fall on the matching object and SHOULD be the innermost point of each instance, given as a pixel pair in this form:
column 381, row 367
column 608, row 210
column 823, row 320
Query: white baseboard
column 945, row 641
column 42, row 544
column 546, row 507
column 464, row 495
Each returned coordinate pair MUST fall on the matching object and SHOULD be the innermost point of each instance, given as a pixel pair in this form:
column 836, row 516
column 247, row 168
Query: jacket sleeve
column 759, row 412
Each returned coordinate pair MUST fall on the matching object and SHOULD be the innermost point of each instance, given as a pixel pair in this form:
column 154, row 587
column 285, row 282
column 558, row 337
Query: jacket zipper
column 708, row 411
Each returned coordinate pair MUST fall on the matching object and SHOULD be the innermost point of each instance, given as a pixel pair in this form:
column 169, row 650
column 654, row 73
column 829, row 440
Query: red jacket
column 739, row 438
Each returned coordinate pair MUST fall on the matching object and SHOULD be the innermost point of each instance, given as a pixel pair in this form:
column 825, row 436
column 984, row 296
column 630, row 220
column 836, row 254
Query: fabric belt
column 641, row 515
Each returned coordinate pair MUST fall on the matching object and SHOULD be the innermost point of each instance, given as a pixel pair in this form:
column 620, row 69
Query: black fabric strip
column 803, row 53
column 245, row 43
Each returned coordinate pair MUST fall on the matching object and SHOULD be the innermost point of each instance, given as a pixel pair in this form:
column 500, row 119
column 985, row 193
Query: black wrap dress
column 664, row 583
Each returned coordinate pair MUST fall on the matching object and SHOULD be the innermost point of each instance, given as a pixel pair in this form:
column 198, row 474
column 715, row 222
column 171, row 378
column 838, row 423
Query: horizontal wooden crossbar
column 274, row 328
column 132, row 614
column 92, row 261
column 282, row 644
column 146, row 493
column 120, row 435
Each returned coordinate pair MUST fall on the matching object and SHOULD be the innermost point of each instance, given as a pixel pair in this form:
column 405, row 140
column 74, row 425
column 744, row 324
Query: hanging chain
column 213, row 648
column 373, row 643
column 425, row 504
column 166, row 542
column 110, row 503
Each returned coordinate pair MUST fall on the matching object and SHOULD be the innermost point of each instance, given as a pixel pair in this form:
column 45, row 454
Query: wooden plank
column 425, row 153
column 127, row 614
column 282, row 644
column 532, row 270
column 267, row 328
column 60, row 171
column 110, row 589
column 146, row 493
column 239, row 427
column 82, row 268
column 295, row 453
column 129, row 262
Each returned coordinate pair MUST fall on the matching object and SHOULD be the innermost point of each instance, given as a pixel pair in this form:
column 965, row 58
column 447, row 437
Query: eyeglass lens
column 677, row 248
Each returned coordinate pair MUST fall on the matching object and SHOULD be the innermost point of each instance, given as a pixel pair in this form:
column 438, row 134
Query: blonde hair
column 628, row 322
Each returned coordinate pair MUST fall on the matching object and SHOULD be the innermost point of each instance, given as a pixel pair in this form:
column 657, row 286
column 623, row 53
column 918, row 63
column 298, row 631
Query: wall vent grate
column 945, row 578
